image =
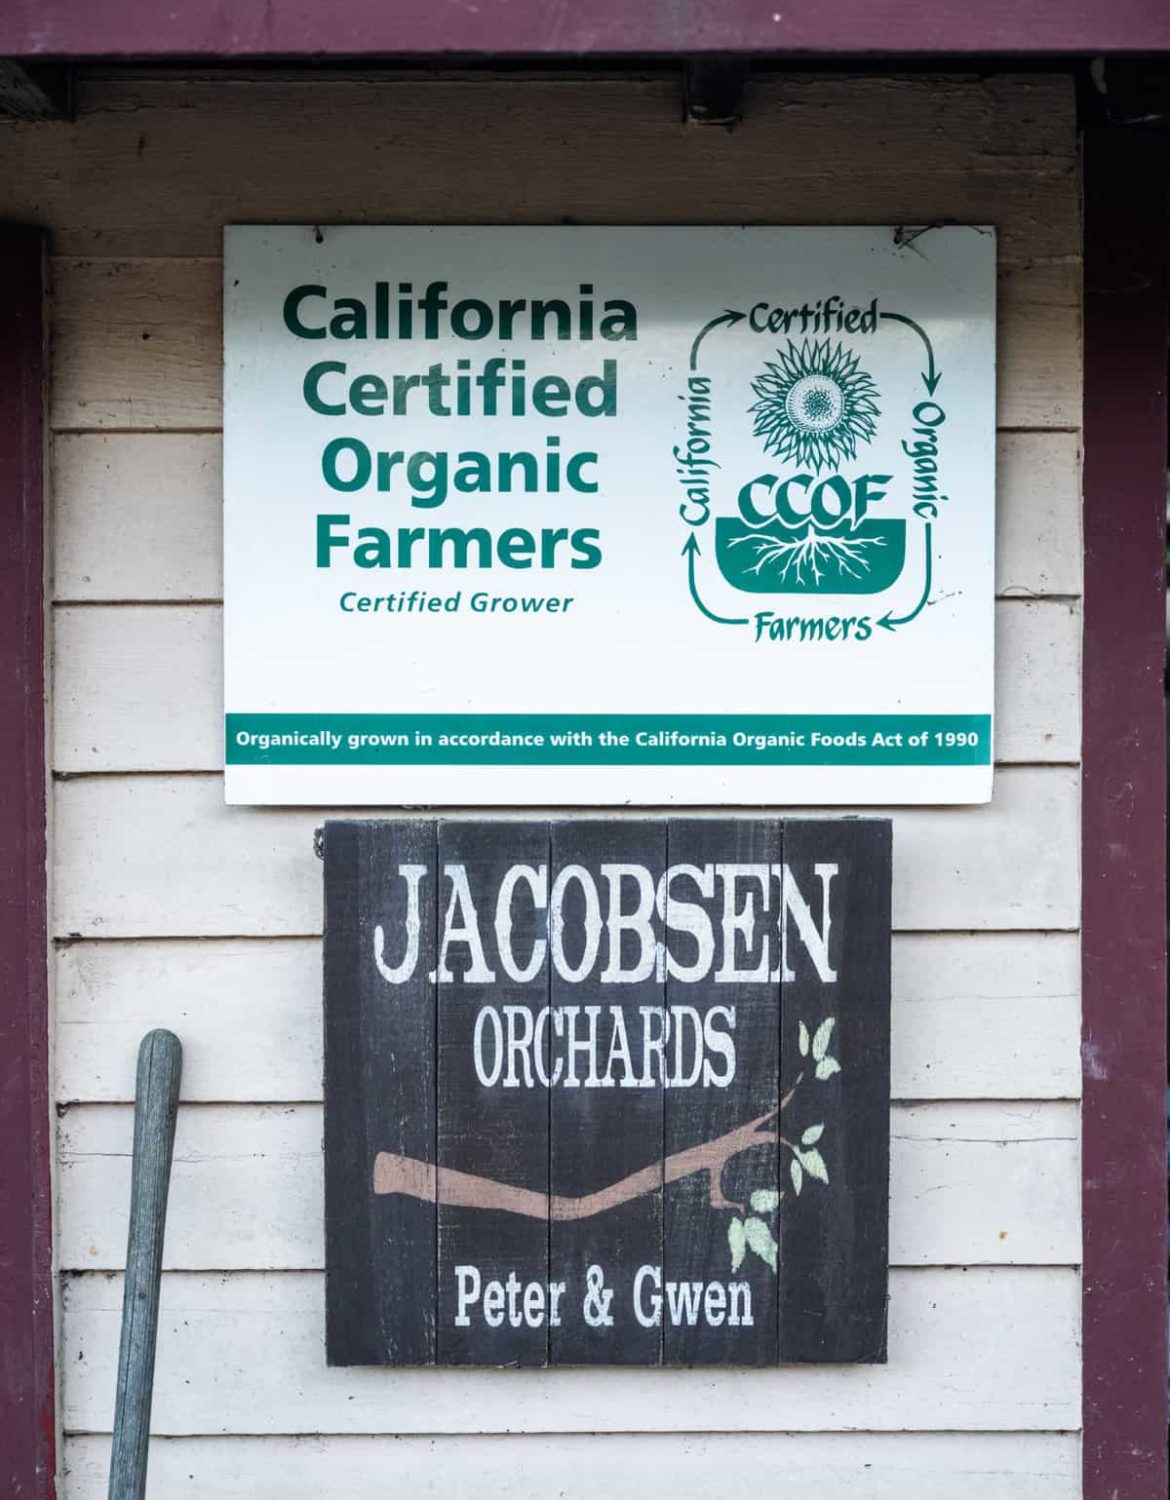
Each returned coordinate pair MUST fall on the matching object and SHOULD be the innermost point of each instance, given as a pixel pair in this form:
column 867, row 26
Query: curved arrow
column 890, row 622
column 727, row 316
column 690, row 547
column 931, row 379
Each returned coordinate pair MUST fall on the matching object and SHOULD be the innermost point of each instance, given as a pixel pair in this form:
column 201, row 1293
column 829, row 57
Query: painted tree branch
column 420, row 1179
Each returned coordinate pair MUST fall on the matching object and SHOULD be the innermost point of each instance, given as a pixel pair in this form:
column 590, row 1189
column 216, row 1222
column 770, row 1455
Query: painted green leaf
column 820, row 1042
column 814, row 1164
column 796, row 1172
column 759, row 1238
column 812, row 1135
column 737, row 1240
column 765, row 1200
column 803, row 1040
column 827, row 1067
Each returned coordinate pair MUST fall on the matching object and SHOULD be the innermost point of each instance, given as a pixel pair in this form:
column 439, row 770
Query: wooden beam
column 1127, row 301
column 26, row 1256
column 63, row 29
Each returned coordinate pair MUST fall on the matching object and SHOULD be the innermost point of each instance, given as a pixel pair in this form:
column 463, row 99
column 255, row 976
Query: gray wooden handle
column 160, row 1066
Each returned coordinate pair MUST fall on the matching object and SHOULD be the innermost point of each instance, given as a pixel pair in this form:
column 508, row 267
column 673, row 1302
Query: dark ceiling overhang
column 73, row 30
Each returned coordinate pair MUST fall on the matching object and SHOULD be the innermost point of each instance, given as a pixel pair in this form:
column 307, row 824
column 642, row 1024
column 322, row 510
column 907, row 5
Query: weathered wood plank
column 1038, row 346
column 599, row 1136
column 165, row 489
column 379, row 1094
column 1015, row 1466
column 835, row 1073
column 138, row 345
column 1037, row 681
column 971, row 1184
column 976, row 1016
column 989, row 1017
column 156, row 167
column 140, row 687
column 703, row 1243
column 499, row 1132
column 158, row 856
column 979, row 1349
column 1037, row 514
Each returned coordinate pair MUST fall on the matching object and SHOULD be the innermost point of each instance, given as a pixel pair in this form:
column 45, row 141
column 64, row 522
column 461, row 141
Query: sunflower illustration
column 815, row 404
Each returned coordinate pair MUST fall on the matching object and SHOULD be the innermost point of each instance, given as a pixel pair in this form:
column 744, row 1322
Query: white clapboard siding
column 162, row 856
column 165, row 491
column 1038, row 514
column 682, row 1466
column 140, row 687
column 137, row 344
column 140, row 516
column 971, row 1184
column 156, row 167
column 994, row 1016
column 975, row 1016
column 1037, row 680
column 983, row 1349
column 175, row 910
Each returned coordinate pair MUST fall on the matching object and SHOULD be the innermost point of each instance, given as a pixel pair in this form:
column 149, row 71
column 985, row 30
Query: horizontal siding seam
column 126, row 773
column 600, row 1434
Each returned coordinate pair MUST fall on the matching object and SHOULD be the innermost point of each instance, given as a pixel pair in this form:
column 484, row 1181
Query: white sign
column 549, row 516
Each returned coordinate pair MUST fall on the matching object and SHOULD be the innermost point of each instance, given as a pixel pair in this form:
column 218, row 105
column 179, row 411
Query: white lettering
column 467, row 1293
column 466, row 932
column 649, row 1317
column 636, row 922
column 400, row 973
column 537, row 882
column 591, row 927
column 490, row 1015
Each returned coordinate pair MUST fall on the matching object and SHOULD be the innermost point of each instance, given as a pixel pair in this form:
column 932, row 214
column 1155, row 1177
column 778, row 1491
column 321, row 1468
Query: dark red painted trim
column 27, row 1442
column 536, row 28
column 1127, row 331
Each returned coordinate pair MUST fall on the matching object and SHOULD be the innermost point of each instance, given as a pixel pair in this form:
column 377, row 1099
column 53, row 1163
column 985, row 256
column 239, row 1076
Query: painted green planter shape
column 774, row 559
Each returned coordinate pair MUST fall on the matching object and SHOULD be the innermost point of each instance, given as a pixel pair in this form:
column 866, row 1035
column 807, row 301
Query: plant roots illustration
column 800, row 559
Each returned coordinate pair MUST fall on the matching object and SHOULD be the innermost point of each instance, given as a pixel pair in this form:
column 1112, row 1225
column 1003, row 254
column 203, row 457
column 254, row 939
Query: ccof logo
column 809, row 532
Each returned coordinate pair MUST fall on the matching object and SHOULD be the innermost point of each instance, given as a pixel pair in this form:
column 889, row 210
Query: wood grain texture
column 155, row 166
column 159, row 856
column 138, row 345
column 975, row 1016
column 140, row 688
column 165, row 490
column 137, row 516
column 835, row 1057
column 695, row 1241
column 975, row 1183
column 596, row 1136
column 380, row 1095
column 500, row 1133
column 1015, row 1466
column 980, row 1349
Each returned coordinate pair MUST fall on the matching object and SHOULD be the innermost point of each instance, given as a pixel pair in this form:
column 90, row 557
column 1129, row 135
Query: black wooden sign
column 606, row 1091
